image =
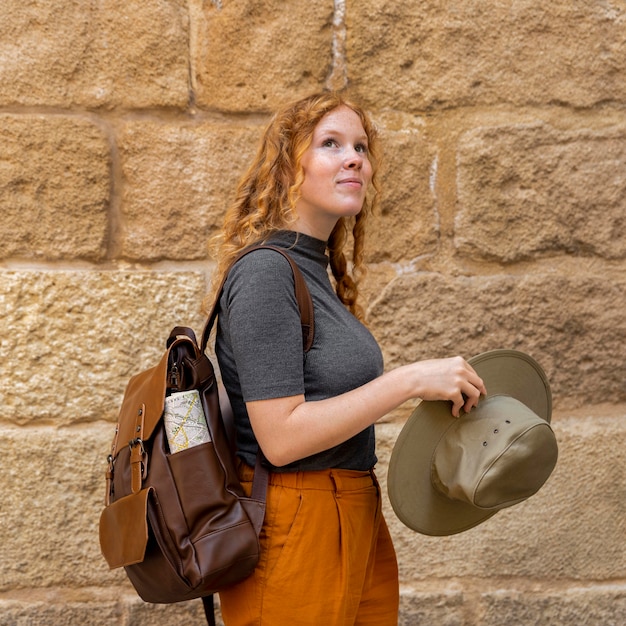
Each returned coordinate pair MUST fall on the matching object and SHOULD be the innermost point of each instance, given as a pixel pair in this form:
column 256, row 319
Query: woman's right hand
column 452, row 379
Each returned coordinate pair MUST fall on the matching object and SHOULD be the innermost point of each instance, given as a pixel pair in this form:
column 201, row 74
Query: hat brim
column 416, row 502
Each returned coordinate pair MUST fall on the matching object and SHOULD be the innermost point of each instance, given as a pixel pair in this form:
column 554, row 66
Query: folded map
column 185, row 423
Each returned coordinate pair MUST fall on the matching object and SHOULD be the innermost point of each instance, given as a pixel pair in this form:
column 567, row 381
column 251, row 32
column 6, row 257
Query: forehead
column 342, row 119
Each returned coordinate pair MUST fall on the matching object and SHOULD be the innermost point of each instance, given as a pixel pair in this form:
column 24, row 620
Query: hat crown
column 496, row 456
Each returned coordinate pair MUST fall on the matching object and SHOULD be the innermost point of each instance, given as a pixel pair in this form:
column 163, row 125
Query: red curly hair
column 266, row 197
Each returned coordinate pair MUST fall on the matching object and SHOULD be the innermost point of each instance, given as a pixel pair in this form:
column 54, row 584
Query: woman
column 327, row 557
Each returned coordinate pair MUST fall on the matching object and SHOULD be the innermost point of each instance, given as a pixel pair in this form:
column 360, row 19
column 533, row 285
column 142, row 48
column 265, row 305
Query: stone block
column 52, row 612
column 406, row 225
column 255, row 55
column 594, row 606
column 184, row 614
column 95, row 607
column 54, row 187
column 418, row 55
column 112, row 53
column 75, row 337
column 178, row 181
column 426, row 607
column 49, row 525
column 572, row 529
column 529, row 191
column 570, row 323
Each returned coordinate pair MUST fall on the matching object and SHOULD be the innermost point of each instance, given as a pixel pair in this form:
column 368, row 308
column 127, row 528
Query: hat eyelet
column 508, row 421
column 484, row 443
column 495, row 430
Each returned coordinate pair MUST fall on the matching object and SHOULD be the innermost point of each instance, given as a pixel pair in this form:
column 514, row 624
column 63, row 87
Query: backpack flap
column 144, row 399
column 143, row 403
column 124, row 530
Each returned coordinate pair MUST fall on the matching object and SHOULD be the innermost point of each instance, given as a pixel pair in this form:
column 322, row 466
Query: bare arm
column 290, row 428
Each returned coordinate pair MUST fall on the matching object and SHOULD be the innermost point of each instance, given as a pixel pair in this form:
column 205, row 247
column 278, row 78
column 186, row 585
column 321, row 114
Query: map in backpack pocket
column 185, row 423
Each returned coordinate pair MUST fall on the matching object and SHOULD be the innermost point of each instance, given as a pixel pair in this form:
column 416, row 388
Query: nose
column 354, row 160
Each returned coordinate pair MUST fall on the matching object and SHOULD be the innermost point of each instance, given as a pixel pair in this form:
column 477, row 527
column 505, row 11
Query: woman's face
column 337, row 172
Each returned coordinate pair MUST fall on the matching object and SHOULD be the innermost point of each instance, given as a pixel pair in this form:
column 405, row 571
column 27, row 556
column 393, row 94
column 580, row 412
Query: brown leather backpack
column 180, row 524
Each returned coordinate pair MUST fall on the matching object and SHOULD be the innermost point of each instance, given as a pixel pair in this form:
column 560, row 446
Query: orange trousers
column 326, row 555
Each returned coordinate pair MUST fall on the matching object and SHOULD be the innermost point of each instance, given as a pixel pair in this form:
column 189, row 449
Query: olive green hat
column 449, row 474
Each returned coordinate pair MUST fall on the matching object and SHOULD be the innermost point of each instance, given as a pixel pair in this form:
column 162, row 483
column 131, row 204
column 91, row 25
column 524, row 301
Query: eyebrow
column 334, row 131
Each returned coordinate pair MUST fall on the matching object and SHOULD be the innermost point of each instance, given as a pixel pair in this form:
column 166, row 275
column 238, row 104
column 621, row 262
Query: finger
column 477, row 381
column 457, row 405
column 471, row 397
column 470, row 403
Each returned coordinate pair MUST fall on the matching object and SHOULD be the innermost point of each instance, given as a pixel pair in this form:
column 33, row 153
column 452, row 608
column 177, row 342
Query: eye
column 329, row 143
column 361, row 147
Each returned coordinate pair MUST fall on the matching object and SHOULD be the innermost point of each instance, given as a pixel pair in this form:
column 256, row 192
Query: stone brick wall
column 125, row 125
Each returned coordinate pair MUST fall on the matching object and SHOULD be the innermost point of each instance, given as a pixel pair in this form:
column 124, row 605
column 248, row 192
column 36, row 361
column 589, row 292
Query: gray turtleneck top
column 260, row 353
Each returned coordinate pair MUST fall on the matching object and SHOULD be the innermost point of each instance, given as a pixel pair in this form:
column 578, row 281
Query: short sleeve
column 259, row 312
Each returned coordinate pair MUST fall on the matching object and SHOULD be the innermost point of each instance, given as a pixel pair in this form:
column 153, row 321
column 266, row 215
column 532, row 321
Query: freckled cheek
column 367, row 168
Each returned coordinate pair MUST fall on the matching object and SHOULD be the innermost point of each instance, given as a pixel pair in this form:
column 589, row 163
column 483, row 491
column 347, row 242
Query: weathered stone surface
column 443, row 608
column 572, row 529
column 178, row 182
column 95, row 607
column 597, row 606
column 570, row 324
column 255, row 55
column 125, row 126
column 416, row 55
column 54, row 187
column 406, row 225
column 532, row 190
column 186, row 614
column 50, row 612
column 112, row 53
column 49, row 525
column 77, row 337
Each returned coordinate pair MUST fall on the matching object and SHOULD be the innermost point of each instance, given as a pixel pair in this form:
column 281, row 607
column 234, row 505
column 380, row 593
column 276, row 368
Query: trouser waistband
column 328, row 480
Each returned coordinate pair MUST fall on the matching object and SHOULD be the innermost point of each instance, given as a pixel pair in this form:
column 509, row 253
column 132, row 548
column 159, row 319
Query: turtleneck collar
column 309, row 247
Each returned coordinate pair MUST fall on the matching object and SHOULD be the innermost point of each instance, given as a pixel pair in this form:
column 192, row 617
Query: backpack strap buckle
column 138, row 466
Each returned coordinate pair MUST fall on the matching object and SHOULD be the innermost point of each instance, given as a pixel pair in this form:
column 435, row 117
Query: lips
column 351, row 181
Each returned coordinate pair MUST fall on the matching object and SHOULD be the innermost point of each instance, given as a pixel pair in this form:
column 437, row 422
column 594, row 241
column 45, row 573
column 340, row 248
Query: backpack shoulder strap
column 303, row 297
column 307, row 320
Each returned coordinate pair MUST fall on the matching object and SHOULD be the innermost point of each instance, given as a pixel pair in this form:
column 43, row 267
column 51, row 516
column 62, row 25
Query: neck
column 317, row 230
